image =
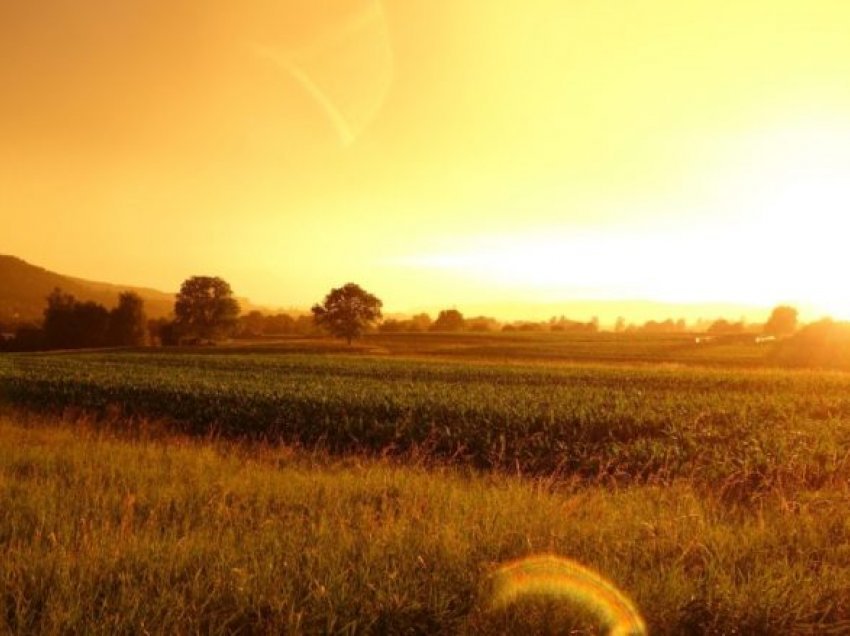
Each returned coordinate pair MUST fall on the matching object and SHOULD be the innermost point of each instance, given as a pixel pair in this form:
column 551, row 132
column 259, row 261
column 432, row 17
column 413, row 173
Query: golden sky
column 438, row 152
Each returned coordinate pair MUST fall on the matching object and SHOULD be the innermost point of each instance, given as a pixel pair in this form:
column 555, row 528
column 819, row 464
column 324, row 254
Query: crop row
column 744, row 431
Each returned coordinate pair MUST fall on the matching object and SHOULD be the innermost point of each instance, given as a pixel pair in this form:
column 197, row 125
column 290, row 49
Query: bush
column 821, row 344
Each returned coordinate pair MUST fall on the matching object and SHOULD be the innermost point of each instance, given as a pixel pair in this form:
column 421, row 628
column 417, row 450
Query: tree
column 722, row 326
column 205, row 308
column 782, row 321
column 58, row 318
column 127, row 321
column 69, row 323
column 448, row 320
column 347, row 311
column 420, row 322
column 482, row 324
column 252, row 324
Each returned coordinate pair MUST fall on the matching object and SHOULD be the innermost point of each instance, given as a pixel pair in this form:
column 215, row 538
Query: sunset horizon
column 425, row 317
column 446, row 154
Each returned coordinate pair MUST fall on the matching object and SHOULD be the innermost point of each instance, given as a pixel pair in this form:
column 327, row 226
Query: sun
column 787, row 204
column 768, row 224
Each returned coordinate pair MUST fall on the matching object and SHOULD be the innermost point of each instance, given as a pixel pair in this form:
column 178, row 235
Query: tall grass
column 104, row 530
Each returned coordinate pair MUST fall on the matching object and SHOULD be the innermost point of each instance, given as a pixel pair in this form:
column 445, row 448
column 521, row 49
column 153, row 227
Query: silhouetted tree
column 723, row 326
column 252, row 324
column 162, row 331
column 127, row 321
column 28, row 337
column 825, row 343
column 72, row 324
column 279, row 324
column 482, row 324
column 205, row 308
column 58, row 319
column 448, row 320
column 306, row 326
column 782, row 321
column 564, row 324
column 394, row 326
column 347, row 311
column 420, row 322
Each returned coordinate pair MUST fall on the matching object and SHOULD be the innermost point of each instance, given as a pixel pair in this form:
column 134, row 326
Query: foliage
column 205, row 309
column 417, row 324
column 448, row 320
column 142, row 531
column 482, row 324
column 722, row 326
column 347, row 311
column 255, row 324
column 782, row 321
column 127, row 321
column 70, row 324
column 25, row 286
column 740, row 432
column 825, row 343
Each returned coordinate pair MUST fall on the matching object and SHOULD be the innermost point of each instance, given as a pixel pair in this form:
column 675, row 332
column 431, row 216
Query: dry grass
column 108, row 532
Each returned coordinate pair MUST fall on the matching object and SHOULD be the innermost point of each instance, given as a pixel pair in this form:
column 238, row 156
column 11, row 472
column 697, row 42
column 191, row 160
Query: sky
column 496, row 157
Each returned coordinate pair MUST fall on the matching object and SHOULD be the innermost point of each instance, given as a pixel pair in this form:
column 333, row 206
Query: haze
column 438, row 153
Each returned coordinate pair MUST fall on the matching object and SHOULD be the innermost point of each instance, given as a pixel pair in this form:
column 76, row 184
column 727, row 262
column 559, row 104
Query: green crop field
column 304, row 487
column 743, row 431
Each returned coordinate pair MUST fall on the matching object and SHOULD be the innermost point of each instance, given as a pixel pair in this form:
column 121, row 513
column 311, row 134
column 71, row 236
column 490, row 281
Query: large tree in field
column 347, row 311
column 205, row 308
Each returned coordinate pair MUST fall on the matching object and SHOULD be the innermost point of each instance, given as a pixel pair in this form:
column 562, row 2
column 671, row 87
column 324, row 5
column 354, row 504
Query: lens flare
column 347, row 71
column 554, row 576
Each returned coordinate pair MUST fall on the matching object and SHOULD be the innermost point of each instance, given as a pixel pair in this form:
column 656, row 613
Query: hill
column 24, row 287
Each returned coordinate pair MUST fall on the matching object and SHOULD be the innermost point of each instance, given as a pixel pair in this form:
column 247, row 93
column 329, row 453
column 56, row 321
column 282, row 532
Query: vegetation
column 72, row 324
column 309, row 486
column 742, row 433
column 449, row 320
column 119, row 527
column 416, row 324
column 128, row 322
column 348, row 311
column 821, row 344
column 782, row 321
column 205, row 309
column 23, row 288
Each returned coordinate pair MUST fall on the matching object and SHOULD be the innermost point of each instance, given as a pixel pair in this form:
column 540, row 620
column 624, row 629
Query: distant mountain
column 24, row 288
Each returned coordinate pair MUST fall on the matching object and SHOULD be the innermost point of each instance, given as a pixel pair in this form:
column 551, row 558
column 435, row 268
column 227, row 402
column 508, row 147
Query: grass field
column 108, row 531
column 303, row 487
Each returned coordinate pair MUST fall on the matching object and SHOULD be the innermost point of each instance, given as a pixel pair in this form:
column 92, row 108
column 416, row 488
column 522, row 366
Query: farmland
column 745, row 430
column 306, row 487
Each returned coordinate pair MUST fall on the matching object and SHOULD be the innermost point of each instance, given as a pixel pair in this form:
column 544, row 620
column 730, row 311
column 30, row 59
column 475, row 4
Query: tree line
column 205, row 311
column 72, row 324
